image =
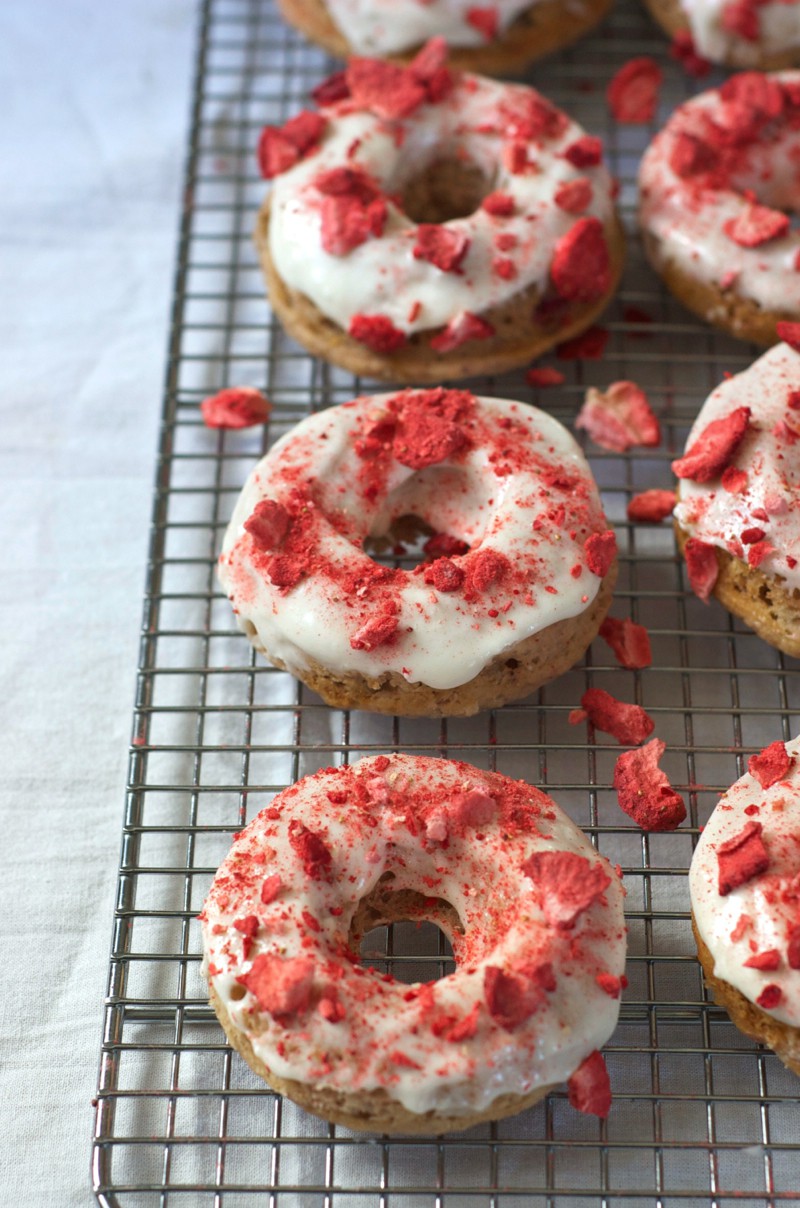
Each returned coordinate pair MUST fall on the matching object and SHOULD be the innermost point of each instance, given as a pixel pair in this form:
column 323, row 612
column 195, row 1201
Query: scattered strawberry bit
column 581, row 267
column 588, row 346
column 377, row 332
column 684, row 52
column 644, row 791
column 756, row 225
column 770, row 997
column 248, row 926
column 331, row 1009
column 793, row 947
column 790, row 334
column 574, row 196
column 740, row 17
column 609, row 984
column 270, row 889
column 503, row 267
column 484, row 19
column 311, row 849
column 568, row 884
column 281, row 147
column 383, row 88
column 601, row 552
column 758, row 552
column 353, row 209
column 441, row 246
column 545, row 375
column 235, row 407
column 690, row 156
column 485, row 568
column 632, row 94
column 442, row 545
column 589, row 1088
column 741, row 858
column 462, row 328
column 619, row 418
column 444, row 575
column 629, row 724
column 281, row 986
column 651, row 507
column 769, row 961
column 629, row 641
column 268, row 524
column 702, row 567
column 771, row 765
column 377, row 631
column 714, row 448
column 402, row 1059
column 585, row 152
column 332, row 89
column 471, row 809
column 499, row 205
column 430, row 426
column 510, row 999
column 453, row 1029
column 734, row 480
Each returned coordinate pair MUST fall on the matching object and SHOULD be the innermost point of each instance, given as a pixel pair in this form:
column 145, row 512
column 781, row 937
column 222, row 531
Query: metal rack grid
column 701, row 1115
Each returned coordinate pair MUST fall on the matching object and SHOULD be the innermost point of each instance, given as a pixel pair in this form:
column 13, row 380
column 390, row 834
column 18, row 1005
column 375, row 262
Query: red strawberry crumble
column 281, row 987
column 268, row 524
column 756, row 225
column 581, row 266
column 629, row 724
column 619, row 418
column 377, row 332
column 568, row 884
column 629, row 641
column 312, row 850
column 383, row 88
column 235, row 407
column 651, row 507
column 601, row 550
column 702, row 567
column 771, row 765
column 714, row 448
column 462, row 328
column 632, row 94
column 440, row 246
column 589, row 1088
column 644, row 791
column 741, row 858
column 281, row 147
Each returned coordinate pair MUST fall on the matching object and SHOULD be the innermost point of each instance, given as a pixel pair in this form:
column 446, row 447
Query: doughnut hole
column 417, row 946
column 446, row 188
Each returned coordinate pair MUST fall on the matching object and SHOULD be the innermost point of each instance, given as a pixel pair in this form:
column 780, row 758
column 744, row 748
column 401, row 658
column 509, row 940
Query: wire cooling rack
column 701, row 1115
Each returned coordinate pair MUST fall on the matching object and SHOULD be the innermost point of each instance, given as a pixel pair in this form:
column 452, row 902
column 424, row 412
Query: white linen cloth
column 95, row 108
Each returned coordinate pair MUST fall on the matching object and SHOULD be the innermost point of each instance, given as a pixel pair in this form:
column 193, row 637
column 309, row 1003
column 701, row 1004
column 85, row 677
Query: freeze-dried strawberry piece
column 453, row 1029
column 581, row 266
column 770, row 997
column 740, row 17
column 281, row 147
column 754, row 97
column 430, row 426
column 383, row 88
column 484, row 19
column 741, row 858
column 499, row 205
column 428, row 62
column 574, row 196
column 585, row 152
column 442, row 545
column 440, row 246
column 588, row 346
column 632, row 94
column 734, row 480
column 285, row 572
column 793, row 947
column 268, row 524
column 619, row 418
column 331, row 1009
column 767, row 961
column 601, row 550
column 486, row 568
column 629, row 641
column 567, row 884
column 755, row 225
column 644, row 791
column 377, row 332
column 790, row 334
column 282, row 986
column 311, row 849
column 689, row 155
column 248, row 926
column 235, row 407
column 510, row 999
column 758, row 552
column 770, row 765
column 714, row 448
column 444, row 575
column 270, row 888
column 463, row 327
column 702, row 567
column 332, row 89
column 629, row 724
column 683, row 50
column 589, row 1088
column 472, row 808
column 348, row 221
column 651, row 507
column 609, row 984
column 544, row 376
column 528, row 117
column 375, row 632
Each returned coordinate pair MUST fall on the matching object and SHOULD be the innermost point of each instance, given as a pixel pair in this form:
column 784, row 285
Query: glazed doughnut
column 533, row 913
column 429, row 225
column 522, row 569
column 739, row 33
column 745, row 885
column 714, row 187
column 738, row 511
column 496, row 38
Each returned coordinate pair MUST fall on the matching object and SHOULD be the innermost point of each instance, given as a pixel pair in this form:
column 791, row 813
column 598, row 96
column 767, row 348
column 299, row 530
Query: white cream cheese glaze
column 520, row 488
column 778, row 29
column 686, row 218
column 385, row 27
column 381, row 275
column 404, row 815
column 770, row 458
column 757, row 916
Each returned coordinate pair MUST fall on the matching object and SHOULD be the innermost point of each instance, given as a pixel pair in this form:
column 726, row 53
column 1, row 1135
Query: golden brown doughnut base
column 723, row 308
column 670, row 16
column 367, row 1111
column 759, row 600
column 518, row 339
column 544, row 29
column 515, row 673
column 782, row 1038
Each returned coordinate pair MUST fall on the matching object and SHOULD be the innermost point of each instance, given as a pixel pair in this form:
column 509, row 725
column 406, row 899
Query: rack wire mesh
column 702, row 1116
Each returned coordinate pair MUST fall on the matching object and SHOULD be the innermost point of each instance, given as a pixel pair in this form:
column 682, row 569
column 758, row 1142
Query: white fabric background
column 95, row 104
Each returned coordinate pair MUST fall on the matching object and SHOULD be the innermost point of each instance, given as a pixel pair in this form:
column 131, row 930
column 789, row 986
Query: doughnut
column 764, row 34
column 738, row 512
column 714, row 185
column 498, row 38
column 520, row 561
column 744, row 883
column 533, row 913
column 430, row 225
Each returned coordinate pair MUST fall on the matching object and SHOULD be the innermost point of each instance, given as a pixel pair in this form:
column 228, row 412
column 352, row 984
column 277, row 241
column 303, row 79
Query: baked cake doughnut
column 745, row 888
column 428, row 225
column 738, row 510
column 521, row 569
column 498, row 38
column 739, row 33
column 533, row 913
column 714, row 186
